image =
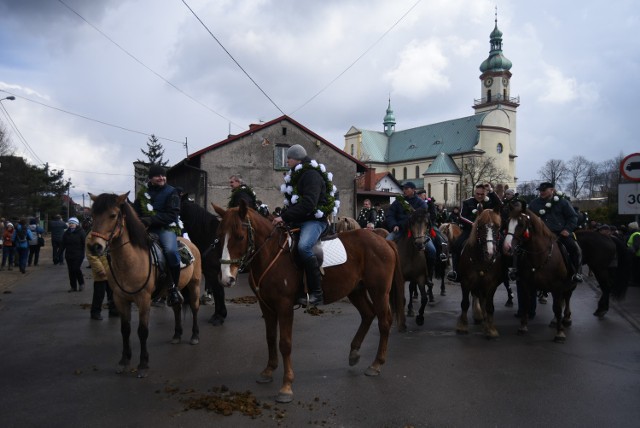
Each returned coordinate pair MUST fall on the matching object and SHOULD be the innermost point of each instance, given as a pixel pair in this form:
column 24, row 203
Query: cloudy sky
column 137, row 67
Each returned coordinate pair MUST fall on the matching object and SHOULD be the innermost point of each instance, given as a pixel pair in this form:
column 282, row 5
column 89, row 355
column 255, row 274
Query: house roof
column 377, row 178
column 428, row 141
column 360, row 166
column 443, row 164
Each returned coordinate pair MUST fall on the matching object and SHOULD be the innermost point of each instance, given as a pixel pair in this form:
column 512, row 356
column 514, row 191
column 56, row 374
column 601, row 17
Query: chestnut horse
column 344, row 224
column 133, row 276
column 540, row 265
column 370, row 277
column 481, row 271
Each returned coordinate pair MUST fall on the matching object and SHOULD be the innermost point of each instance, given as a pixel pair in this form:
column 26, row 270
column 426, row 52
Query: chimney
column 254, row 125
column 370, row 179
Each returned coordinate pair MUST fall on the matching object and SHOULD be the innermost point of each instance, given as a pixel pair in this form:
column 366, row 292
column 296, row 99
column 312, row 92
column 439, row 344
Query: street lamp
column 10, row 98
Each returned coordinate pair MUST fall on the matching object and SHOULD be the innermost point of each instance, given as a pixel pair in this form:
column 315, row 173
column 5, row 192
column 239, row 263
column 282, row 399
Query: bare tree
column 480, row 169
column 577, row 169
column 6, row 148
column 554, row 171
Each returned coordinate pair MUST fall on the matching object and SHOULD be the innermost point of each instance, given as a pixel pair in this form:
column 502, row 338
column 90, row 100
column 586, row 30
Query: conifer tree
column 154, row 152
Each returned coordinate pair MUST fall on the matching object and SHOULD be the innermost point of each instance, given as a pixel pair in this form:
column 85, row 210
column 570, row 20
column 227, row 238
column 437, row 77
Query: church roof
column 428, row 141
column 443, row 164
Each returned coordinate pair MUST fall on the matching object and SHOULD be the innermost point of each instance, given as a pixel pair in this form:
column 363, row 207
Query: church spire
column 389, row 121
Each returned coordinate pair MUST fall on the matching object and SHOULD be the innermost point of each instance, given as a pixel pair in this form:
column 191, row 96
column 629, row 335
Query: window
column 429, row 190
column 280, row 157
column 284, row 130
column 499, row 148
column 393, row 172
column 446, row 191
column 489, row 96
column 417, row 171
column 352, row 150
column 404, row 173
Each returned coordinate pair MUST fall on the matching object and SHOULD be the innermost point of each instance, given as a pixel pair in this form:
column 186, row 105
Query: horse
column 134, row 277
column 201, row 225
column 370, row 277
column 413, row 261
column 344, row 224
column 540, row 265
column 599, row 252
column 481, row 271
column 451, row 231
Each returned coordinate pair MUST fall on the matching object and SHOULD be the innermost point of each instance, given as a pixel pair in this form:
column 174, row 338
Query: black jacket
column 73, row 243
column 396, row 214
column 367, row 216
column 312, row 193
column 468, row 216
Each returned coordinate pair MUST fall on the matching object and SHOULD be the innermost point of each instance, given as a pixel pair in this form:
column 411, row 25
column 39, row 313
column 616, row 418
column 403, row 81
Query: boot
column 453, row 274
column 173, row 295
column 576, row 260
column 312, row 271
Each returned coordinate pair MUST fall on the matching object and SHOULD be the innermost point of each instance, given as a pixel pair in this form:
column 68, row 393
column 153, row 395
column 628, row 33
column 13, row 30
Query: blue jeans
column 169, row 244
column 310, row 232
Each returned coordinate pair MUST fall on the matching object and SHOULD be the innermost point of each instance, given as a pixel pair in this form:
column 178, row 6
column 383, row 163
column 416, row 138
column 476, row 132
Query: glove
column 146, row 221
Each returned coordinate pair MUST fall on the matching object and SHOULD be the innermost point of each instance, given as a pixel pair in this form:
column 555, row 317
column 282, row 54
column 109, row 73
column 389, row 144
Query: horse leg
column 490, row 330
column 605, row 289
column 509, row 302
column 443, row 292
column 125, row 330
column 285, row 395
column 566, row 319
column 271, row 326
column 220, row 310
column 194, row 303
column 383, row 313
column 143, row 335
column 424, row 299
column 477, row 309
column 526, row 300
column 177, row 332
column 558, row 299
column 430, row 291
column 463, row 323
column 364, row 306
column 410, row 311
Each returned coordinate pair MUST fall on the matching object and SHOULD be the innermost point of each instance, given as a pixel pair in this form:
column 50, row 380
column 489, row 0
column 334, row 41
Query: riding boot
column 453, row 273
column 314, row 277
column 576, row 260
column 173, row 295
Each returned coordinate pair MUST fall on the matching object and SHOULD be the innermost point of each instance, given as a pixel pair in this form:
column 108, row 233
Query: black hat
column 421, row 191
column 409, row 185
column 156, row 170
column 544, row 186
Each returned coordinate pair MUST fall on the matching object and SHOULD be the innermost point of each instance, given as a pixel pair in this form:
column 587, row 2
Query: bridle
column 519, row 243
column 493, row 238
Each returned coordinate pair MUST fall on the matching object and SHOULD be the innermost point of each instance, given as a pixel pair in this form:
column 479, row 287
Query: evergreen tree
column 154, row 152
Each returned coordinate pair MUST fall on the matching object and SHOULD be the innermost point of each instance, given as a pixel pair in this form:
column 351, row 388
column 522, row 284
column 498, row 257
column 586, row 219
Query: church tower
column 389, row 121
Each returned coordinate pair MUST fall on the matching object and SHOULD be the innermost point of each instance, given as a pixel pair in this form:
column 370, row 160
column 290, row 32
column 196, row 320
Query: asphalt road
column 58, row 366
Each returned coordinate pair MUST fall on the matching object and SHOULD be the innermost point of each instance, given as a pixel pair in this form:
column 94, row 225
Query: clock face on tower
column 488, row 82
column 505, row 81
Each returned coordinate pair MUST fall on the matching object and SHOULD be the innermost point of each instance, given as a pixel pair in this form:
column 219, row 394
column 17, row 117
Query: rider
column 158, row 206
column 310, row 187
column 483, row 198
column 560, row 217
column 367, row 216
column 239, row 191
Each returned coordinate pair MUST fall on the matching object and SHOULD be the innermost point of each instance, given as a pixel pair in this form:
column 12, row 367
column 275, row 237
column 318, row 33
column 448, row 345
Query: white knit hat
column 74, row 220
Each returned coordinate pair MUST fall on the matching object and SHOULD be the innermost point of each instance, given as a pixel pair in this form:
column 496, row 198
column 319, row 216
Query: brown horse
column 411, row 248
column 370, row 277
column 134, row 276
column 481, row 271
column 540, row 266
column 344, row 224
column 451, row 231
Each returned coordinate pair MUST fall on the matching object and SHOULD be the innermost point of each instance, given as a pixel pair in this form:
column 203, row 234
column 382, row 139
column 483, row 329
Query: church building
column 449, row 158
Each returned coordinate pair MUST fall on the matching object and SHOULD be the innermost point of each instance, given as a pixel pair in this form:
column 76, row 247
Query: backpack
column 21, row 235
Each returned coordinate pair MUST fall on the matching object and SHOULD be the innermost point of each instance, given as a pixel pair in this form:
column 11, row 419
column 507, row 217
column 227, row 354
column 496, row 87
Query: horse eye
column 112, row 216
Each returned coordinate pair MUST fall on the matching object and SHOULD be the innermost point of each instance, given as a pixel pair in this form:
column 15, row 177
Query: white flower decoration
column 286, row 202
column 337, row 202
column 319, row 214
column 542, row 212
column 322, row 168
column 283, row 188
column 559, row 194
column 287, row 178
column 556, row 198
column 298, row 167
column 486, row 199
column 330, row 176
column 289, row 189
column 146, row 195
column 475, row 211
column 294, row 199
column 149, row 207
column 548, row 205
column 314, row 163
column 335, row 189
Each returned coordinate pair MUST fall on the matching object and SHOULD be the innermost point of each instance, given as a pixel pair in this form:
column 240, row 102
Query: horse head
column 419, row 227
column 107, row 221
column 236, row 233
column 518, row 226
column 487, row 232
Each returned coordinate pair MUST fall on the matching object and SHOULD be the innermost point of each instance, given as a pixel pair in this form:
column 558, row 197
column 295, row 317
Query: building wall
column 253, row 158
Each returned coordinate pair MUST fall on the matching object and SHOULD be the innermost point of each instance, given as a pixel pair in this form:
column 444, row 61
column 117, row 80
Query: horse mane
column 420, row 215
column 138, row 236
column 344, row 224
column 538, row 225
column 198, row 222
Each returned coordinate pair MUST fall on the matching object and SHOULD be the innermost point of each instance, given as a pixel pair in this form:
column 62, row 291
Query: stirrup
column 512, row 273
column 443, row 257
column 577, row 277
column 174, row 297
column 312, row 299
column 452, row 276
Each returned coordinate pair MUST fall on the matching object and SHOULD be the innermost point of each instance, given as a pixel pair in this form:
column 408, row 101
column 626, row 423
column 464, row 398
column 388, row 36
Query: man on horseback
column 160, row 215
column 560, row 217
column 367, row 216
column 483, row 198
column 240, row 191
column 310, row 189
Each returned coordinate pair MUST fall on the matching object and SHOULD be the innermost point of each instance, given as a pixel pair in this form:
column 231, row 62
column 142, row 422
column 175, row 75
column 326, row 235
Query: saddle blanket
column 186, row 256
column 333, row 252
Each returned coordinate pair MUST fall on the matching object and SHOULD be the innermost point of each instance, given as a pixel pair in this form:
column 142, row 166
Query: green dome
column 496, row 61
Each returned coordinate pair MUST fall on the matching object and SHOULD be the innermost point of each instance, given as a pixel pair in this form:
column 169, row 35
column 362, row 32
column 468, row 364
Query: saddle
column 329, row 250
column 157, row 254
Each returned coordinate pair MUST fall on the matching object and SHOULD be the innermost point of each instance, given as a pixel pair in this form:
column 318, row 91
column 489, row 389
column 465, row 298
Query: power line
column 147, row 67
column 359, row 57
column 20, row 136
column 231, row 56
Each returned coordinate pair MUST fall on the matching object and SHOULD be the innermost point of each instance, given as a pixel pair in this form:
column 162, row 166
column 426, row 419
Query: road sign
column 629, row 198
column 630, row 167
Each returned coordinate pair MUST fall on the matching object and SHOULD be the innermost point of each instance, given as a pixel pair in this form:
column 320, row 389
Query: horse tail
column 396, row 294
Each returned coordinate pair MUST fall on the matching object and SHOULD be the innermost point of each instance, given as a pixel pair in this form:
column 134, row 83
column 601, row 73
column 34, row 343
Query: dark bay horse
column 201, row 225
column 133, row 276
column 370, row 277
column 481, row 271
column 540, row 264
column 411, row 248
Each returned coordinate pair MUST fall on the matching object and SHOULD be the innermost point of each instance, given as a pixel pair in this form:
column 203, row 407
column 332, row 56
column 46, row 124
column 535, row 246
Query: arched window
column 352, row 150
column 429, row 190
column 446, row 191
column 489, row 96
column 393, row 172
column 404, row 173
column 417, row 171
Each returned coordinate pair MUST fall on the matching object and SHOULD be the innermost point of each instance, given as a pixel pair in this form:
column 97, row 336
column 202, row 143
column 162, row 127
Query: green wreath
column 144, row 198
column 405, row 205
column 243, row 189
column 290, row 188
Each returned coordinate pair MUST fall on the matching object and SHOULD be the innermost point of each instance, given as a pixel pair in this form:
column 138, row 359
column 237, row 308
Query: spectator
column 34, row 243
column 21, row 238
column 57, row 228
column 8, row 250
column 73, row 245
column 99, row 269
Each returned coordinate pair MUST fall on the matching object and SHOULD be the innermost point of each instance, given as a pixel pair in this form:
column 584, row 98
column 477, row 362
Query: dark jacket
column 561, row 216
column 468, row 216
column 57, row 228
column 367, row 216
column 166, row 205
column 73, row 244
column 242, row 193
column 312, row 193
column 398, row 216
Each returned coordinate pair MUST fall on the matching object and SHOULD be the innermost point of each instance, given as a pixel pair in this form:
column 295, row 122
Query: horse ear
column 219, row 210
column 242, row 209
column 93, row 197
column 122, row 198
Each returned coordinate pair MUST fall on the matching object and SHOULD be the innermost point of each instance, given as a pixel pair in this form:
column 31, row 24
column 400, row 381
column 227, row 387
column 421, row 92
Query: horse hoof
column 477, row 322
column 194, row 341
column 175, row 340
column 121, row 369
column 284, row 398
column 402, row 328
column 420, row 319
column 600, row 314
column 371, row 371
column 354, row 358
column 560, row 338
column 264, row 379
